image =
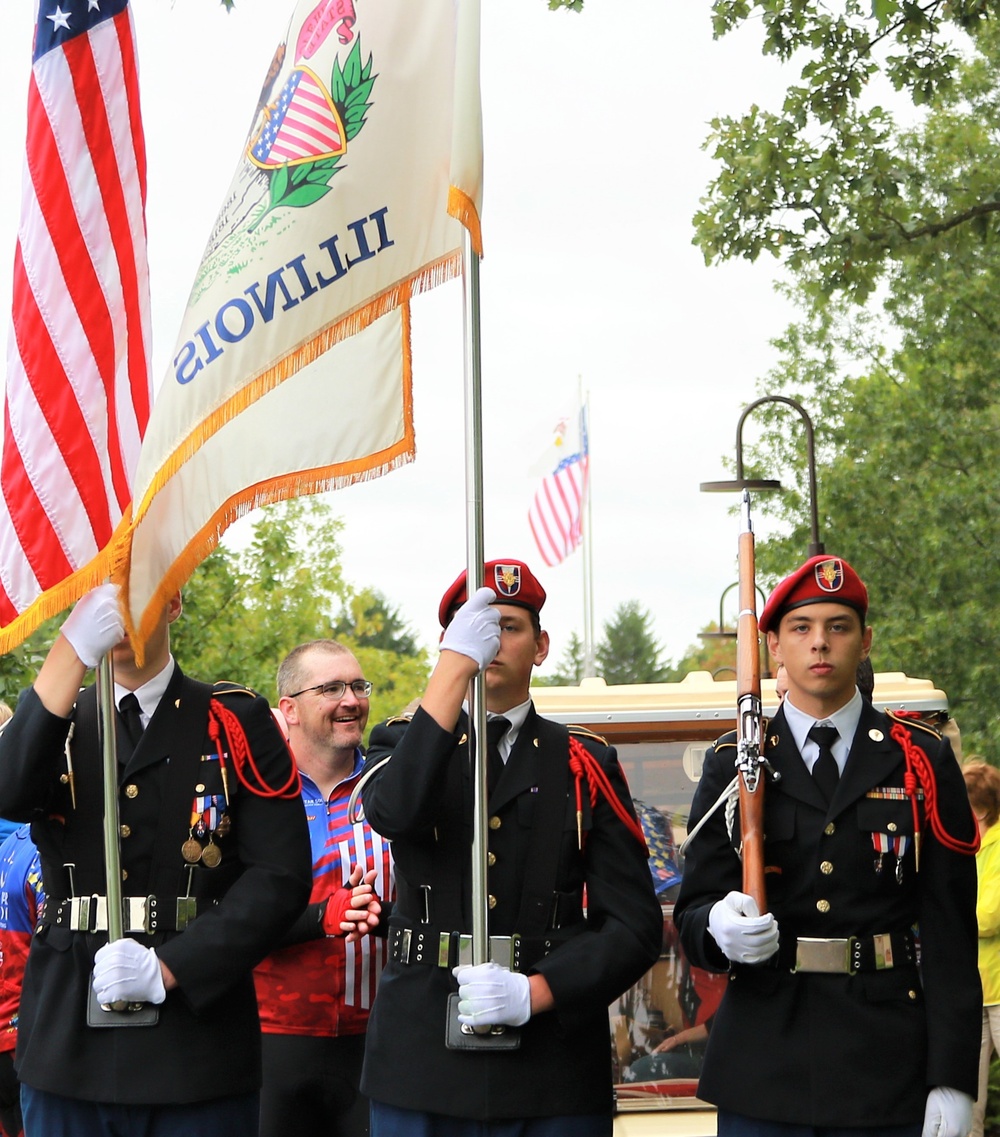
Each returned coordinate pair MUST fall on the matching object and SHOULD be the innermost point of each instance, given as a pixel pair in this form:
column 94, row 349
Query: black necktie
column 825, row 769
column 496, row 728
column 130, row 717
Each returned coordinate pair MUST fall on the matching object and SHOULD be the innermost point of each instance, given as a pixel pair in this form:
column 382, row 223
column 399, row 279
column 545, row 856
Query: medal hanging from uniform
column 208, row 816
column 883, row 843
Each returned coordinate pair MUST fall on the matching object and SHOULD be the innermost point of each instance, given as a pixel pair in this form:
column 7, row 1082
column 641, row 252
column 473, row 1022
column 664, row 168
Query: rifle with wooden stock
column 749, row 716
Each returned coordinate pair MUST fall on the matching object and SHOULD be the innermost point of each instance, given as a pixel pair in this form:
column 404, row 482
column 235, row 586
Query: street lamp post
column 741, row 483
column 724, row 634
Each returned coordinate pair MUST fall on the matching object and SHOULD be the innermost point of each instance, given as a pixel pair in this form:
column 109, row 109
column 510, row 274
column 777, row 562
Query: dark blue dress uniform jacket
column 206, row 1043
column 422, row 800
column 841, row 1050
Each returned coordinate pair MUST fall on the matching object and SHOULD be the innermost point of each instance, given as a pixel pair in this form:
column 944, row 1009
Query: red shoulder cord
column 920, row 774
column 585, row 766
column 222, row 718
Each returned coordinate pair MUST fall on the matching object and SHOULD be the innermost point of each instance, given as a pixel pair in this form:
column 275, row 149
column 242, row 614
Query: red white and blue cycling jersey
column 325, row 987
column 21, row 900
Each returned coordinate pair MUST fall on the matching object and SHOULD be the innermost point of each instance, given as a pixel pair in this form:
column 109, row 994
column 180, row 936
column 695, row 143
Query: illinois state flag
column 291, row 373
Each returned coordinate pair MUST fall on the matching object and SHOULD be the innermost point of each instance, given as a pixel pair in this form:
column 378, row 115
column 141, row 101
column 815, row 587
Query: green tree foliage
column 370, row 620
column 907, row 486
column 715, row 653
column 891, row 238
column 244, row 611
column 386, row 649
column 827, row 181
column 904, row 397
column 628, row 651
column 19, row 667
column 570, row 668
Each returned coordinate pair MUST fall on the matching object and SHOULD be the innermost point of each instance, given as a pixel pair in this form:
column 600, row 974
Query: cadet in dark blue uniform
column 566, row 966
column 828, row 1024
column 215, row 865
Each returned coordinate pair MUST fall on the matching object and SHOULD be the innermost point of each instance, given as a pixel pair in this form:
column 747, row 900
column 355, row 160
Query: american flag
column 302, row 125
column 556, row 514
column 78, row 388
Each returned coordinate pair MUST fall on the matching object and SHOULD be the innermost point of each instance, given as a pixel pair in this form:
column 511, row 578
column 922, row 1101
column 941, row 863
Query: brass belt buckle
column 823, row 955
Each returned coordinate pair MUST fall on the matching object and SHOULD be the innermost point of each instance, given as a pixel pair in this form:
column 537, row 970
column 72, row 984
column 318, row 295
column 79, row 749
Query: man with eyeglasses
column 315, row 992
column 561, row 826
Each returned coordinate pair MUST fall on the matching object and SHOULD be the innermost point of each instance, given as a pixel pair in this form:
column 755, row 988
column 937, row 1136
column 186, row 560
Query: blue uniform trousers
column 736, row 1125
column 391, row 1121
column 50, row 1115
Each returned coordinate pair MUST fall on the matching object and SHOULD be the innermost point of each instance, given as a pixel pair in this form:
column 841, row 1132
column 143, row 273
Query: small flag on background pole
column 556, row 514
column 77, row 393
column 292, row 373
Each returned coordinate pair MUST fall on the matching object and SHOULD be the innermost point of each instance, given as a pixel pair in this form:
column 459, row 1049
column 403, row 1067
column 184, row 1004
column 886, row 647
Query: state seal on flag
column 507, row 579
column 302, row 125
column 830, row 575
column 300, row 139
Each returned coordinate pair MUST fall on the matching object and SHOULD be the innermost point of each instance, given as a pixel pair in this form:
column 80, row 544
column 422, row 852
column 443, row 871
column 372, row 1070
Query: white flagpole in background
column 589, row 667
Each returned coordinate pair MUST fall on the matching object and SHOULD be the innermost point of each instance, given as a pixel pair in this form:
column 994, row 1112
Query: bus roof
column 699, row 698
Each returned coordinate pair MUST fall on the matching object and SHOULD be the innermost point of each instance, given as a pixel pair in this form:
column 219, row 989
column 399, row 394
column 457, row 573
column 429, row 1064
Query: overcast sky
column 593, row 130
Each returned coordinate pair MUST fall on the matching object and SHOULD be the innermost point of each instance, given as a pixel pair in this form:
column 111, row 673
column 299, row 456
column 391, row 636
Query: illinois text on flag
column 292, row 372
column 77, row 389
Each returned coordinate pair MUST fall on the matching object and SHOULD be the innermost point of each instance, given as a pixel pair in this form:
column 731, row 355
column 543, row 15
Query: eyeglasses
column 362, row 688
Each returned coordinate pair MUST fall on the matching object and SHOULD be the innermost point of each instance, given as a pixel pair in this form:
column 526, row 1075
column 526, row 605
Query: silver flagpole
column 474, row 568
column 112, row 852
column 459, row 1035
column 122, row 1012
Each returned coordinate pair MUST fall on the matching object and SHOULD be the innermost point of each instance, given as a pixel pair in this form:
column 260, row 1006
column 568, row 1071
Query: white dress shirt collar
column 845, row 719
column 150, row 693
column 516, row 717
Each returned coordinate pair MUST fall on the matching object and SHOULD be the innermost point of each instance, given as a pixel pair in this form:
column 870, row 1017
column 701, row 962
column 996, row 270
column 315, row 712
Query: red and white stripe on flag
column 556, row 514
column 78, row 387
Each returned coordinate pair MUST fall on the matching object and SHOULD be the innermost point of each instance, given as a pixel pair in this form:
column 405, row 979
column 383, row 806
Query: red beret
column 512, row 581
column 821, row 579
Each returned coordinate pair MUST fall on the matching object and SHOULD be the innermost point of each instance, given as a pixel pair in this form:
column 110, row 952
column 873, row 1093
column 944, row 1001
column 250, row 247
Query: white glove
column 475, row 629
column 95, row 625
column 948, row 1113
column 489, row 993
column 125, row 970
column 744, row 935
